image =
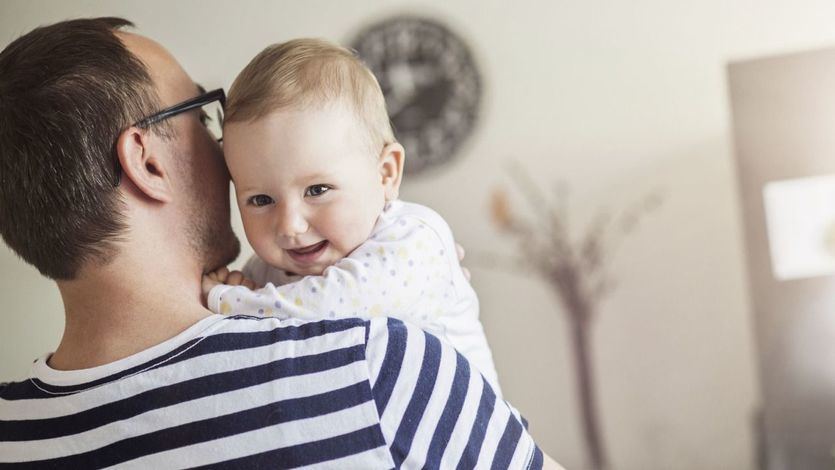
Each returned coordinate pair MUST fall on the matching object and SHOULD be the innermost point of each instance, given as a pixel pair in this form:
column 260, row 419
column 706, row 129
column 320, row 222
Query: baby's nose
column 290, row 221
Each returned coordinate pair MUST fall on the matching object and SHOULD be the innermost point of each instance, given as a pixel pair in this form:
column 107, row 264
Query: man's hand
column 224, row 276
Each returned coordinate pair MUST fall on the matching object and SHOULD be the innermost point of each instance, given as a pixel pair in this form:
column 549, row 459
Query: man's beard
column 212, row 239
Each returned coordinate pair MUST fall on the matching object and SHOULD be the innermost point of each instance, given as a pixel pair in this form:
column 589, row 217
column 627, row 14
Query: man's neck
column 112, row 313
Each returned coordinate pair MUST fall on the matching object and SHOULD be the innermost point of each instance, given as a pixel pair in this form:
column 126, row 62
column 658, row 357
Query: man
column 125, row 206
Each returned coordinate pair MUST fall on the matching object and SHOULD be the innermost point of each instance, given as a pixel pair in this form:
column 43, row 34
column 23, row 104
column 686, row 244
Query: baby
column 317, row 172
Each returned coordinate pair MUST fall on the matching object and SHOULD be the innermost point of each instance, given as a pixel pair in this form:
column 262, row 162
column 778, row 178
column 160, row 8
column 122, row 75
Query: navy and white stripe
column 438, row 412
column 244, row 392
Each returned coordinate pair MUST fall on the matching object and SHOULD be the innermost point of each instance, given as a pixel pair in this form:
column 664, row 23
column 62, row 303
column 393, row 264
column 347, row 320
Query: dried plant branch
column 490, row 260
column 593, row 249
column 576, row 269
column 529, row 189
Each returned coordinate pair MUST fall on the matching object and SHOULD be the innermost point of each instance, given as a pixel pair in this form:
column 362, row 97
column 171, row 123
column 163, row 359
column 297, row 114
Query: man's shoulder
column 275, row 390
column 401, row 350
column 270, row 329
column 383, row 330
column 386, row 340
column 436, row 410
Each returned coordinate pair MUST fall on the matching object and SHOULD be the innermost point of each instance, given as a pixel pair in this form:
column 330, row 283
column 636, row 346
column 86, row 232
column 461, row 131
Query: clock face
column 431, row 85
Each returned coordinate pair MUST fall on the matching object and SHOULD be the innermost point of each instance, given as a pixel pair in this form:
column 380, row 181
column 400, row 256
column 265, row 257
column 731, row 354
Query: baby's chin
column 291, row 269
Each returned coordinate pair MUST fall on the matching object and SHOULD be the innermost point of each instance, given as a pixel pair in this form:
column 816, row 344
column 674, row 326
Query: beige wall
column 783, row 110
column 614, row 98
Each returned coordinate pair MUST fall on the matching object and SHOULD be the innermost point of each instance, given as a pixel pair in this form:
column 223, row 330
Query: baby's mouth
column 308, row 254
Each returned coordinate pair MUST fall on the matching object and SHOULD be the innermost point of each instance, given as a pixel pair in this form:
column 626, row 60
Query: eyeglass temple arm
column 185, row 106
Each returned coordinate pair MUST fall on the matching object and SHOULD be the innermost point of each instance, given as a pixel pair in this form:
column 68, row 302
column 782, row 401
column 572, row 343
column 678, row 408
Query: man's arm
column 436, row 410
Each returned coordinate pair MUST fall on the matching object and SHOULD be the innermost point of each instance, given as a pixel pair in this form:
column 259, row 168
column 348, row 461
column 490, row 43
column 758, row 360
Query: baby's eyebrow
column 316, row 176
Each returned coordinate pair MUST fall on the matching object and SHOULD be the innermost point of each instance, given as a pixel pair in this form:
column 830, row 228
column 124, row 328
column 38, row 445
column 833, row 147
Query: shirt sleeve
column 401, row 271
column 435, row 410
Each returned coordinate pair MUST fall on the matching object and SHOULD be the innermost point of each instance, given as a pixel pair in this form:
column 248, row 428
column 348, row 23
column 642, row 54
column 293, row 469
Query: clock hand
column 402, row 86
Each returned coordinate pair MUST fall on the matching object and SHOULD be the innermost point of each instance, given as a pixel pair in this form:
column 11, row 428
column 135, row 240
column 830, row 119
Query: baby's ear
column 390, row 166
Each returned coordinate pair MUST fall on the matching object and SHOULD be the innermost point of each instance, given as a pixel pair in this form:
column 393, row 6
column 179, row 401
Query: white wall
column 615, row 98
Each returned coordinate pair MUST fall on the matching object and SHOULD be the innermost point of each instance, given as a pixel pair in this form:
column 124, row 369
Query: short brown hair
column 309, row 72
column 67, row 91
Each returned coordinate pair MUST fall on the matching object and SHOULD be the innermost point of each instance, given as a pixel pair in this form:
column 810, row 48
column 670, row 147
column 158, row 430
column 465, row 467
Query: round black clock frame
column 431, row 84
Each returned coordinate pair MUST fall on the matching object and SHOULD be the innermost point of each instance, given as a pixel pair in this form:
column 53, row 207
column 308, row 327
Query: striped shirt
column 261, row 392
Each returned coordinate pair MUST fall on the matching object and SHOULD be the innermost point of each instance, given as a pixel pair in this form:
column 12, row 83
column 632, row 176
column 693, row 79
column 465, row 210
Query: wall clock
column 431, row 84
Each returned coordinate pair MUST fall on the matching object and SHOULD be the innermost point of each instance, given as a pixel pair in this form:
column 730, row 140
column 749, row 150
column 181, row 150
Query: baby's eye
column 317, row 190
column 260, row 200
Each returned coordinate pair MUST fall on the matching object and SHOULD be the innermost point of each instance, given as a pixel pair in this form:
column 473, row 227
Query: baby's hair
column 305, row 73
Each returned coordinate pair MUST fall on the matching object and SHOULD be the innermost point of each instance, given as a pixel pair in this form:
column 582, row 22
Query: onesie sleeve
column 400, row 271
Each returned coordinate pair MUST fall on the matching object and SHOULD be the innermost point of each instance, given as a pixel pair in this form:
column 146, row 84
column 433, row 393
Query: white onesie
column 408, row 269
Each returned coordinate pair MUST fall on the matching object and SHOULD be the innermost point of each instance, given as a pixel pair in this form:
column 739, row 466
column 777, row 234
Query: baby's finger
column 207, row 285
column 235, row 278
column 220, row 275
column 248, row 283
column 460, row 250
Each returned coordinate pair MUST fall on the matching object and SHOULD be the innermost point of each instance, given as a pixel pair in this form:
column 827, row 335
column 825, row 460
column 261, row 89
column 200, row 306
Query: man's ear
column 390, row 166
column 142, row 166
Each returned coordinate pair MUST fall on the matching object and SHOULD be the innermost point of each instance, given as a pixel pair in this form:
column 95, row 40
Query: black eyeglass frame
column 179, row 108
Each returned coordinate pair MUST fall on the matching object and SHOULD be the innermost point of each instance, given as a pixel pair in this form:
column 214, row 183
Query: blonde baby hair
column 305, row 73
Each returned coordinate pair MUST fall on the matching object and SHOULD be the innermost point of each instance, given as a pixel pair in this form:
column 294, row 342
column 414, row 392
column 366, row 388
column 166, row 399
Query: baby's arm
column 224, row 276
column 400, row 272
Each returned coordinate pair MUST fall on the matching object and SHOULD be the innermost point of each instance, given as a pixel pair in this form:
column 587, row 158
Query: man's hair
column 305, row 73
column 67, row 91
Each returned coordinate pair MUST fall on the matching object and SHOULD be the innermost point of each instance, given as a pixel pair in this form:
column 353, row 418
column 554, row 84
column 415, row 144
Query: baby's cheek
column 348, row 228
column 262, row 240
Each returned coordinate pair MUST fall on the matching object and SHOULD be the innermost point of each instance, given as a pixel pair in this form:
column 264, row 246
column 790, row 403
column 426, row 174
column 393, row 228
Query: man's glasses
column 211, row 106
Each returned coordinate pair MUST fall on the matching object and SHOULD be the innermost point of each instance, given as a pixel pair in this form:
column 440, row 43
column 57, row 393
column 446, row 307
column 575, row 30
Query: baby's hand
column 224, row 276
column 460, row 251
